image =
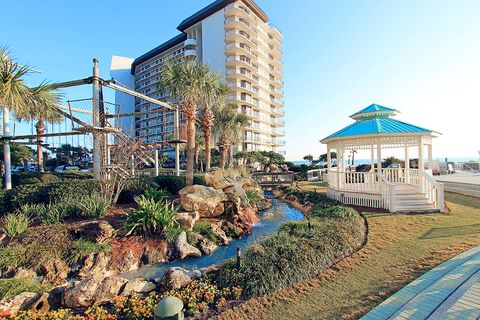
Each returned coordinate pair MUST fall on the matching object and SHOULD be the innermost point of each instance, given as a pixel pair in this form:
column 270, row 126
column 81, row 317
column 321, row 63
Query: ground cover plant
column 199, row 297
column 400, row 248
column 299, row 251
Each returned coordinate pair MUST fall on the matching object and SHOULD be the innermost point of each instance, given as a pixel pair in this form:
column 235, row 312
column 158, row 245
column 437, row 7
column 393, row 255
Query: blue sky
column 420, row 57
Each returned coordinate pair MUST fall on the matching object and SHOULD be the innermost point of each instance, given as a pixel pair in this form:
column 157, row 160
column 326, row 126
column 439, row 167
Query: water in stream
column 270, row 221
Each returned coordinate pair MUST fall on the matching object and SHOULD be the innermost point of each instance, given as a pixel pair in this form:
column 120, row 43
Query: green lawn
column 400, row 248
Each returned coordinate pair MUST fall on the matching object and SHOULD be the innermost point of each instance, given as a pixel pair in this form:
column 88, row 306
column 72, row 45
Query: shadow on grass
column 469, row 201
column 451, row 231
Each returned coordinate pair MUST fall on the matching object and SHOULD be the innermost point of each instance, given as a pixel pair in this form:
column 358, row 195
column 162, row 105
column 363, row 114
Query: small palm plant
column 152, row 218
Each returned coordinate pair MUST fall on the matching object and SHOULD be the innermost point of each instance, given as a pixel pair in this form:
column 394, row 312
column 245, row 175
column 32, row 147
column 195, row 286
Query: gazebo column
column 430, row 158
column 372, row 158
column 407, row 164
column 329, row 167
column 421, row 166
column 341, row 166
column 379, row 158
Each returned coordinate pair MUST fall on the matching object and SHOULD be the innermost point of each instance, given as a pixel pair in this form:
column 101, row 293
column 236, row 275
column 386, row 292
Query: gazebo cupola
column 375, row 129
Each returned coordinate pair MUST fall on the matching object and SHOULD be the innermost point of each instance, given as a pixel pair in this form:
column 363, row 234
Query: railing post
column 393, row 204
column 441, row 197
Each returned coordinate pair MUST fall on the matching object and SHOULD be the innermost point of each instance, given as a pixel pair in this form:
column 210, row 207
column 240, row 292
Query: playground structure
column 97, row 120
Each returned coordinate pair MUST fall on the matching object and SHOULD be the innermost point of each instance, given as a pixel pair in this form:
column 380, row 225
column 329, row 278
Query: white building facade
column 235, row 39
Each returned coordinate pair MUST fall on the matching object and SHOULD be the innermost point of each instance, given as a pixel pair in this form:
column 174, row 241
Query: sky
column 419, row 57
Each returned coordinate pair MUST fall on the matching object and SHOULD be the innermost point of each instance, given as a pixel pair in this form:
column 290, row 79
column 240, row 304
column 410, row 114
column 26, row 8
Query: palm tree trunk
column 190, row 110
column 231, row 156
column 40, row 127
column 208, row 151
column 223, row 145
column 207, row 124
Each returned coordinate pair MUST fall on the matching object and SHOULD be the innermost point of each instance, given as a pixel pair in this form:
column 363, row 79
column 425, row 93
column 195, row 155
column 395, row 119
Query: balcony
column 235, row 60
column 236, row 9
column 234, row 74
column 190, row 53
column 240, row 36
column 239, row 23
column 234, row 48
column 190, row 42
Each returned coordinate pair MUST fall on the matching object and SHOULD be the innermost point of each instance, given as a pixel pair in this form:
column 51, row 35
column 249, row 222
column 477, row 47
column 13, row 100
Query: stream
column 270, row 221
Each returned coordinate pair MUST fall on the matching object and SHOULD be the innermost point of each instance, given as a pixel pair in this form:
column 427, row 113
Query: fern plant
column 93, row 207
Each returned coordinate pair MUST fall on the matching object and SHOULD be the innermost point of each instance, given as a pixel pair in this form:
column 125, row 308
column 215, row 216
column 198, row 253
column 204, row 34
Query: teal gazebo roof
column 375, row 120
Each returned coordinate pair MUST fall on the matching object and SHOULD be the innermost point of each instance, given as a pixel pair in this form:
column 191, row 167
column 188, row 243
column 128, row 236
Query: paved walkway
column 449, row 291
column 462, row 182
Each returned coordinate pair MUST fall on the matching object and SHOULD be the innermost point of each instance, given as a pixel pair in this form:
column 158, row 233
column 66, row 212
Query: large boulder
column 94, row 264
column 129, row 261
column 220, row 233
column 205, row 200
column 205, row 245
column 55, row 272
column 155, row 252
column 237, row 193
column 187, row 220
column 219, row 179
column 94, row 290
column 175, row 278
column 94, row 231
column 138, row 285
column 183, row 249
column 22, row 301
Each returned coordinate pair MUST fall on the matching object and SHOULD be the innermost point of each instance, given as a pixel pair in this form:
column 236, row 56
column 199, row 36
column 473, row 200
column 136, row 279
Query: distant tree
column 323, row 157
column 308, row 158
column 19, row 154
column 391, row 160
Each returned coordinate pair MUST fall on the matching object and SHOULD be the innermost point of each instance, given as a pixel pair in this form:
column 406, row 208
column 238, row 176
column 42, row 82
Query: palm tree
column 215, row 94
column 15, row 97
column 188, row 82
column 46, row 105
column 229, row 125
column 199, row 146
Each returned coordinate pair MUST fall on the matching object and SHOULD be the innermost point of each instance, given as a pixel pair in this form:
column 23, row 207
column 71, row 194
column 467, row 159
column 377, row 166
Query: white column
column 407, row 164
column 372, row 158
column 421, row 166
column 329, row 159
column 339, row 164
column 430, row 158
column 379, row 157
column 6, row 148
column 156, row 163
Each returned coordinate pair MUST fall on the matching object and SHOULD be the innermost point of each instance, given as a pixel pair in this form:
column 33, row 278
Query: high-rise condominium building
column 235, row 39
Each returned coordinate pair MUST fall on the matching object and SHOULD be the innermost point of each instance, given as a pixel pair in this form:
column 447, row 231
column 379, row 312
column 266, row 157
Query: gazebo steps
column 409, row 199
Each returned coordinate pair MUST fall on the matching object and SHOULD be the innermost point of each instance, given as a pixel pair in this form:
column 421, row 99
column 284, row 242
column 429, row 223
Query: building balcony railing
column 239, row 22
column 235, row 48
column 238, row 9
column 240, row 35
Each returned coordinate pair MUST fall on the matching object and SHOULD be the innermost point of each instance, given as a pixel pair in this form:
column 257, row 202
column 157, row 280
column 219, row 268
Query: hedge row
column 45, row 193
column 23, row 178
column 297, row 252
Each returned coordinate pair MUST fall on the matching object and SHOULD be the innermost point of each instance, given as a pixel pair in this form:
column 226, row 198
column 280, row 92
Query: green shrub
column 173, row 184
column 334, row 212
column 14, row 286
column 157, row 195
column 135, row 187
column 15, row 224
column 23, row 178
column 92, row 207
column 47, row 193
column 253, row 197
column 53, row 213
column 299, row 251
column 204, row 227
column 82, row 248
column 152, row 218
column 13, row 256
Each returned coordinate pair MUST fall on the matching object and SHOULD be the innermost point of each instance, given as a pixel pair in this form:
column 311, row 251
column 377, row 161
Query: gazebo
column 396, row 189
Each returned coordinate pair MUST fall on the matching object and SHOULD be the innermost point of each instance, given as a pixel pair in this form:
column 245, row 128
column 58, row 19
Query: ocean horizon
column 367, row 161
